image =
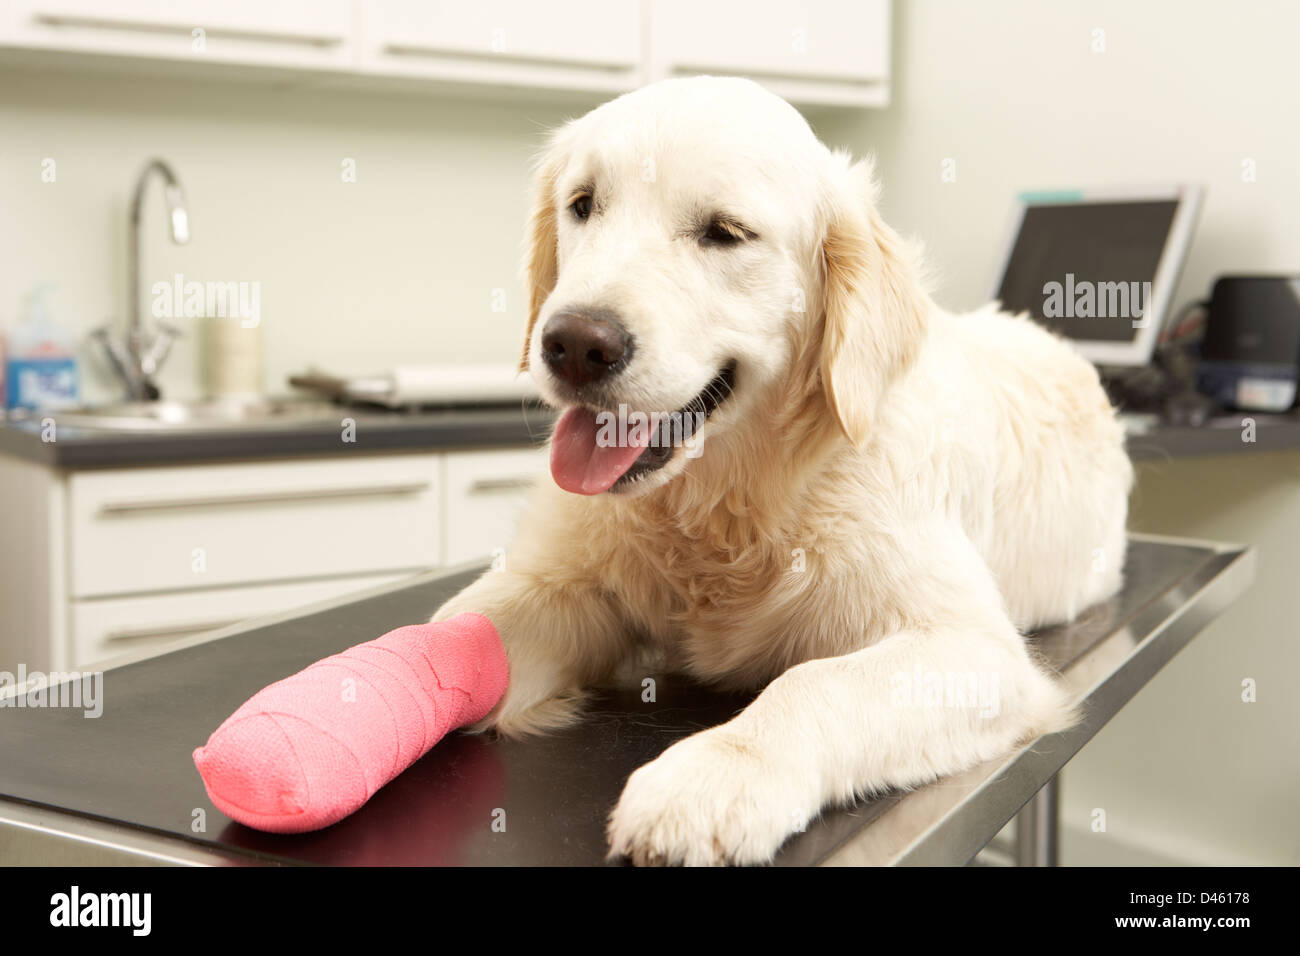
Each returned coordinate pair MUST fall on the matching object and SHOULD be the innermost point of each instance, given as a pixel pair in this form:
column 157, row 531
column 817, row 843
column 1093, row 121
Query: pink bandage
column 306, row 751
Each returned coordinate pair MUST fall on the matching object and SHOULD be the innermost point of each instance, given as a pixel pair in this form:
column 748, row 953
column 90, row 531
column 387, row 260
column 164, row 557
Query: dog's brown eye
column 723, row 232
column 581, row 207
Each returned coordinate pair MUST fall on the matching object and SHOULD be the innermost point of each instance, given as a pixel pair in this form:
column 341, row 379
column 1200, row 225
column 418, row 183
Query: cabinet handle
column 106, row 21
column 776, row 76
column 488, row 485
column 416, row 48
column 259, row 497
column 173, row 630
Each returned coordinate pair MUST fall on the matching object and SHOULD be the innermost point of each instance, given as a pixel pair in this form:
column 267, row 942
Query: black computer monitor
column 1099, row 267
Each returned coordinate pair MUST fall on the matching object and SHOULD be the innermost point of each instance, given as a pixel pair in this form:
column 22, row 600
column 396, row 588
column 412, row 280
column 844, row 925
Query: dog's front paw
column 709, row 800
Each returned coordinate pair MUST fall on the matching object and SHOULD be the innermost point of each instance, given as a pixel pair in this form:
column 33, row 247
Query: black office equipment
column 1250, row 357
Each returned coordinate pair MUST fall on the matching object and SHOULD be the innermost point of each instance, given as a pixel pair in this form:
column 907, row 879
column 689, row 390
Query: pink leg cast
column 307, row 751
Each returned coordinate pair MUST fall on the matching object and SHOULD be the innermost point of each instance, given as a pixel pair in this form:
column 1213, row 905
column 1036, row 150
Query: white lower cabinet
column 164, row 529
column 116, row 561
column 106, row 628
column 485, row 494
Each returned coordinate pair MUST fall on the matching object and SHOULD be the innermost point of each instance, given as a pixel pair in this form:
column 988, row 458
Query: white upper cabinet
column 565, row 44
column 812, row 52
column 274, row 33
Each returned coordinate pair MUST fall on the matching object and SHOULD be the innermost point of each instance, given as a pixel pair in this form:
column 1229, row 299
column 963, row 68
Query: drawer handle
column 174, row 630
column 776, row 76
column 260, row 497
column 489, row 485
column 416, row 48
column 106, row 21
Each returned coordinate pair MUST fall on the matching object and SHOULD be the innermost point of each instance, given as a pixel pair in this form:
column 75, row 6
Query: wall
column 1186, row 90
column 1011, row 90
column 398, row 267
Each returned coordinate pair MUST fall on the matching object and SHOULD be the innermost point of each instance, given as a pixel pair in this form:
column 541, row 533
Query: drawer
column 485, row 493
column 280, row 33
column 109, row 627
column 779, row 41
column 165, row 529
column 515, row 42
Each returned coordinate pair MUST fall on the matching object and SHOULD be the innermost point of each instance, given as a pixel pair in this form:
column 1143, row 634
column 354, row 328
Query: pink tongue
column 579, row 464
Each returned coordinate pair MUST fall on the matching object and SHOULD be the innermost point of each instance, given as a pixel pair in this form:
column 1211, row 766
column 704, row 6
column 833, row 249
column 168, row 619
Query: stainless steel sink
column 215, row 415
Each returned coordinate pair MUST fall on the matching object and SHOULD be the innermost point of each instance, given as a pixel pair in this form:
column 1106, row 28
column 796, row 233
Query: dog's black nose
column 585, row 346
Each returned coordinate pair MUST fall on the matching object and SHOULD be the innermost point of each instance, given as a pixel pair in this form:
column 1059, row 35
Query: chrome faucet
column 137, row 356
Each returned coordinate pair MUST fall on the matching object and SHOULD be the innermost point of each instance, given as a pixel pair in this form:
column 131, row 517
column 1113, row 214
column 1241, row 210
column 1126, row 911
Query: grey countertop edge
column 374, row 433
column 485, row 428
column 1164, row 442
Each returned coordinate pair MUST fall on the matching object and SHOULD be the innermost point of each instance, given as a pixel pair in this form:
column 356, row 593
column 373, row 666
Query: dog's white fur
column 891, row 490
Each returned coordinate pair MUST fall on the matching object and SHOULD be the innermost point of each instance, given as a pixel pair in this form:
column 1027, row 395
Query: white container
column 234, row 363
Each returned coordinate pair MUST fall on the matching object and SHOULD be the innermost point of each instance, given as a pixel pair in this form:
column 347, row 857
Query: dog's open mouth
column 595, row 451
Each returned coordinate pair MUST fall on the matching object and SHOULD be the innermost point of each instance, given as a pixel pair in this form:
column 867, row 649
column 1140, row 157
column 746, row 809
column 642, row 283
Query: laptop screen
column 1084, row 269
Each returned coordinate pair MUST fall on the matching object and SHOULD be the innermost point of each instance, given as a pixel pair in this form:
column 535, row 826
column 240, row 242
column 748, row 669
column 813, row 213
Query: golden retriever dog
column 876, row 500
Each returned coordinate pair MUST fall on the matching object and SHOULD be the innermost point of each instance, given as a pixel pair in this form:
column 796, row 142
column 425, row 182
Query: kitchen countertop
column 1220, row 436
column 375, row 431
column 123, row 788
column 496, row 426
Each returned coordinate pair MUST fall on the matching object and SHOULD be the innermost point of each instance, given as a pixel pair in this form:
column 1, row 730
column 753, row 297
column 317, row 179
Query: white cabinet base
column 179, row 528
column 110, row 627
column 100, row 564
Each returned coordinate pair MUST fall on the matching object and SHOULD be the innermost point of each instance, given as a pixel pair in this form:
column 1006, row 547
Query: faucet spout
column 143, row 357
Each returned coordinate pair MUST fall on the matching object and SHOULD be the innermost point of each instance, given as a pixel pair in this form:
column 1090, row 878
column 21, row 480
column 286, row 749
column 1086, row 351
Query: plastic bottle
column 41, row 362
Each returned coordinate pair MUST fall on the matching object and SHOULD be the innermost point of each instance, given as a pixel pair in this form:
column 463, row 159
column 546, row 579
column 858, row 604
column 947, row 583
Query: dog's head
column 694, row 253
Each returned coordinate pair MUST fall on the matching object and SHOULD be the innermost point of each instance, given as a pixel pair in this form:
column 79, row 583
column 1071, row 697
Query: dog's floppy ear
column 540, row 267
column 875, row 309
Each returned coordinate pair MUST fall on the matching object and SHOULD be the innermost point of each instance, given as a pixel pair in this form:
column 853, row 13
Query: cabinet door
column 486, row 492
column 105, row 629
column 578, row 44
column 162, row 529
column 816, row 52
column 275, row 33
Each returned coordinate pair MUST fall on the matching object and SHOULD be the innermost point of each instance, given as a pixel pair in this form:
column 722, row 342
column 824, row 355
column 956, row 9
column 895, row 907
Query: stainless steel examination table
column 122, row 788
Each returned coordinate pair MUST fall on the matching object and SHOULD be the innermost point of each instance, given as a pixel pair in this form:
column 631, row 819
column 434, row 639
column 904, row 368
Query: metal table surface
column 122, row 788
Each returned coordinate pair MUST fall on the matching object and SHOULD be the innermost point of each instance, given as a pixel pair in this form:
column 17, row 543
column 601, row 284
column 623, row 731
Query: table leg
column 1037, row 828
